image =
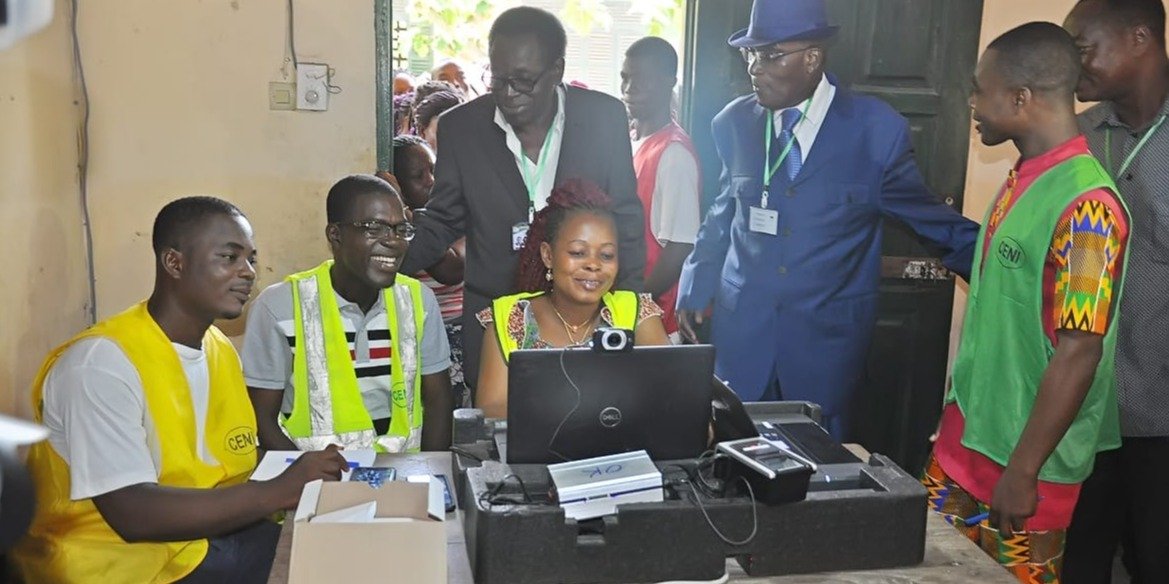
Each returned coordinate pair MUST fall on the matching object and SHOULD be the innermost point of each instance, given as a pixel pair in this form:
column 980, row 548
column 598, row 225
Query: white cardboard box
column 404, row 542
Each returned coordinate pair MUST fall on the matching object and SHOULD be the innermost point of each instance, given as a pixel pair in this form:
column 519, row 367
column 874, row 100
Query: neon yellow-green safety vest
column 327, row 406
column 622, row 304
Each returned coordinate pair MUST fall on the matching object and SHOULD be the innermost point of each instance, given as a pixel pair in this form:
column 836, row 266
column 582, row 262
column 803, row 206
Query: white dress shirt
column 808, row 128
column 547, row 180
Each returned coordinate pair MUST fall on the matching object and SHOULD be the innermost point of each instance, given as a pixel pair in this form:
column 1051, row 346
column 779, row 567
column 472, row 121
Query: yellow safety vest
column 69, row 541
column 622, row 304
column 327, row 407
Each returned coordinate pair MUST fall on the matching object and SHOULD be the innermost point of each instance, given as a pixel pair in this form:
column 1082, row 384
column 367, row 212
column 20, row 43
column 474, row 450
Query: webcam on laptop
column 613, row 340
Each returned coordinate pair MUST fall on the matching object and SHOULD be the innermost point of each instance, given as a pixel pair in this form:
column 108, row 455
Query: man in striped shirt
column 367, row 232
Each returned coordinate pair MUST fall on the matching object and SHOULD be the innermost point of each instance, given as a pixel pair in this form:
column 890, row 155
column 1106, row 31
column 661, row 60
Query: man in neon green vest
column 144, row 477
column 351, row 352
column 1033, row 396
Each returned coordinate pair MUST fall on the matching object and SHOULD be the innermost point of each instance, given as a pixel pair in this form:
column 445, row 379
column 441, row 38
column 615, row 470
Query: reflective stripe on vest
column 622, row 305
column 327, row 406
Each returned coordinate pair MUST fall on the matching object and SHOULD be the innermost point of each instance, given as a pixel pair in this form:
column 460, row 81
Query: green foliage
column 458, row 28
column 582, row 16
column 452, row 28
column 664, row 18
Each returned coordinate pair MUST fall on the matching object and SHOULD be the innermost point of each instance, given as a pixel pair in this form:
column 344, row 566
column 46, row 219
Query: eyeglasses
column 768, row 56
column 380, row 230
column 524, row 86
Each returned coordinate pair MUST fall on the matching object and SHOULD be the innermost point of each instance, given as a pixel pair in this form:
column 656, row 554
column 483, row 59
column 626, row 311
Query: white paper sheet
column 275, row 461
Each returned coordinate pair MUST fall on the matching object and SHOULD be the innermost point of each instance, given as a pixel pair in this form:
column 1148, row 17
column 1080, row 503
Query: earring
column 548, row 274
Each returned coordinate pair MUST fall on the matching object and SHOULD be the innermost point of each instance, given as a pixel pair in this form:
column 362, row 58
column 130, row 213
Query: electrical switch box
column 281, row 95
column 312, row 86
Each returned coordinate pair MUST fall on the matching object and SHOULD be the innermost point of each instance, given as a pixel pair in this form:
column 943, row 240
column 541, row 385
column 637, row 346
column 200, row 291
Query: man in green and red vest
column 1033, row 395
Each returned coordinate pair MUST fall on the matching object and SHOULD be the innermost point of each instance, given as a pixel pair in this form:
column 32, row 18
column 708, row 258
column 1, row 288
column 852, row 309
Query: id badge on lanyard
column 761, row 219
column 519, row 231
column 1131, row 155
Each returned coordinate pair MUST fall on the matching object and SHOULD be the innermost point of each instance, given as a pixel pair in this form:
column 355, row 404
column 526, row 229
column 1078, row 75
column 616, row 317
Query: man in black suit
column 502, row 153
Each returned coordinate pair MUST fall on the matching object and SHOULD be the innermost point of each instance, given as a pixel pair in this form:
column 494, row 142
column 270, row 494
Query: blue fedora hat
column 776, row 21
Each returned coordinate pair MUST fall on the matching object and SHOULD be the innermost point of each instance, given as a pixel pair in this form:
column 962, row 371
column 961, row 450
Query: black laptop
column 569, row 404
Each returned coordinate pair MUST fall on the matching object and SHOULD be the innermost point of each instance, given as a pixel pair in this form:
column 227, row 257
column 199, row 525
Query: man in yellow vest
column 151, row 436
column 352, row 352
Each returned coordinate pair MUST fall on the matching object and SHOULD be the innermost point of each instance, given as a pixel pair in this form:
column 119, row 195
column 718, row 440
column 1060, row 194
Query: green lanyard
column 1131, row 155
column 769, row 172
column 531, row 184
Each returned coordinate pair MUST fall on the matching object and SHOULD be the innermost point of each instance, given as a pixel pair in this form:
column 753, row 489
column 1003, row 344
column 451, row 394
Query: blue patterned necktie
column 795, row 158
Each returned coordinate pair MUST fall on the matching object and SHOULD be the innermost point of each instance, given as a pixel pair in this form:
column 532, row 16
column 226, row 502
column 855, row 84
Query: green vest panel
column 327, row 407
column 1004, row 351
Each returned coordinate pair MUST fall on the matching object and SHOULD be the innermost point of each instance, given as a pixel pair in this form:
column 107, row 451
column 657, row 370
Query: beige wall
column 180, row 107
column 45, row 291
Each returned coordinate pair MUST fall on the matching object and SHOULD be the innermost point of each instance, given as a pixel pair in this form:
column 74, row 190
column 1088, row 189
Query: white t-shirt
column 674, row 209
column 98, row 420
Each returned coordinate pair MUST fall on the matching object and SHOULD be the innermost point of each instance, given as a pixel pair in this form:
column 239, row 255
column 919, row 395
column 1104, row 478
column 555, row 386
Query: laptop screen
column 569, row 404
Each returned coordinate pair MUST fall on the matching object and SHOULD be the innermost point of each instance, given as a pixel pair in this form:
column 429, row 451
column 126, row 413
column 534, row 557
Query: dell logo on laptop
column 610, row 417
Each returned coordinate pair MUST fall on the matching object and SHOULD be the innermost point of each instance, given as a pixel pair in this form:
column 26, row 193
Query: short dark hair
column 1133, row 13
column 339, row 202
column 180, row 217
column 404, row 110
column 402, row 145
column 544, row 25
column 434, row 105
column 657, row 51
column 432, row 87
column 1038, row 55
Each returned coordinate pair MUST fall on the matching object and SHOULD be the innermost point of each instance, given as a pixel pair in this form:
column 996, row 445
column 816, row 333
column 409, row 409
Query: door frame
column 383, row 22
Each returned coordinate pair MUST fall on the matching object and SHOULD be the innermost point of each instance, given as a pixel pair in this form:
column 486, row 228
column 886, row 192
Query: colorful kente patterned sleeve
column 1087, row 249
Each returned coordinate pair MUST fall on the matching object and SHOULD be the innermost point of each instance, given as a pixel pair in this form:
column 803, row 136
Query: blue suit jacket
column 800, row 306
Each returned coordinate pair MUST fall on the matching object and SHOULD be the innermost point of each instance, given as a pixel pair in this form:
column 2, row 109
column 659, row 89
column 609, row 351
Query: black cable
column 579, row 399
column 754, row 515
column 83, row 166
column 464, row 452
column 704, row 461
column 291, row 34
column 493, row 496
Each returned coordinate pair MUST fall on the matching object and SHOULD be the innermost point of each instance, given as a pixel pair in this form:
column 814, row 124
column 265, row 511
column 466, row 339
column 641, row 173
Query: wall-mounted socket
column 281, row 95
column 312, row 86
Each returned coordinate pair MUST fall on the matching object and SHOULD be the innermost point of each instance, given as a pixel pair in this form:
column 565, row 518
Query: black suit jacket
column 480, row 193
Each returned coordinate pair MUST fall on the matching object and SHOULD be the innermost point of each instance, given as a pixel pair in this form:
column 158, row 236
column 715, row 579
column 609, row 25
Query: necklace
column 570, row 329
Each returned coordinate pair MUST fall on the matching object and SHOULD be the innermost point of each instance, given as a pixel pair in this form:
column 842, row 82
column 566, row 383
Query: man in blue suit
column 790, row 251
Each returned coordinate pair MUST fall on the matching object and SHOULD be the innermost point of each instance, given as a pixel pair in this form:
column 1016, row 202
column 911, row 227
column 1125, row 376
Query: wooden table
column 949, row 557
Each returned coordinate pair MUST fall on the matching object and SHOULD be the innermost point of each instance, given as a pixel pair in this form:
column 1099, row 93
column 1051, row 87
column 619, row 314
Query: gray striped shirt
column 1142, row 359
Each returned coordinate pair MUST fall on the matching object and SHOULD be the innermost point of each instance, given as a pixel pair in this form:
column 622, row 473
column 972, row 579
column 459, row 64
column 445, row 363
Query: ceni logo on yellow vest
column 241, row 440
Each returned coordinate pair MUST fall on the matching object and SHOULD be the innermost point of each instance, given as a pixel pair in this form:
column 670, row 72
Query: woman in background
column 414, row 171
